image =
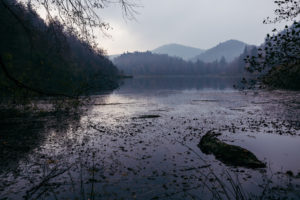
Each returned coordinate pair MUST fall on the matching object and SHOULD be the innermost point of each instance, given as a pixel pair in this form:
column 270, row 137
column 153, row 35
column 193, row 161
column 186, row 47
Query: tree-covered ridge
column 147, row 63
column 181, row 51
column 47, row 57
column 229, row 49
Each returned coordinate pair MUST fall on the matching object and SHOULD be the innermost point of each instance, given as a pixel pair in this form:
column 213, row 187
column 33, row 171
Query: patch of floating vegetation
column 237, row 109
column 162, row 110
column 148, row 116
column 262, row 102
column 205, row 100
column 110, row 104
column 228, row 154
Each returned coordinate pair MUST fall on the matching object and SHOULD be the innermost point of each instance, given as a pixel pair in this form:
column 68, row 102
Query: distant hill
column 178, row 50
column 229, row 49
column 148, row 63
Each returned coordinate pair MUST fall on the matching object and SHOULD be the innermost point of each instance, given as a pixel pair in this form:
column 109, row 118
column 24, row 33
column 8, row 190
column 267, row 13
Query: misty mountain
column 178, row 50
column 149, row 64
column 229, row 49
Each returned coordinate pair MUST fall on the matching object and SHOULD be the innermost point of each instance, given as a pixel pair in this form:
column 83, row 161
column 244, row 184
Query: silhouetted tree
column 278, row 59
column 60, row 58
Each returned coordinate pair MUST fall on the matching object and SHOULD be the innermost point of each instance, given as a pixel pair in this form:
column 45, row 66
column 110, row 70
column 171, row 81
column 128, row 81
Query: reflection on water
column 142, row 84
column 112, row 153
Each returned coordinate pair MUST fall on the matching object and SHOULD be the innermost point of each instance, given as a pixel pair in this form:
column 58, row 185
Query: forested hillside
column 181, row 51
column 230, row 49
column 147, row 63
column 40, row 59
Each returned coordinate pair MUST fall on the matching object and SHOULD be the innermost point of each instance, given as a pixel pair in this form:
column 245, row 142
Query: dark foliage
column 286, row 77
column 229, row 50
column 278, row 59
column 47, row 58
column 287, row 10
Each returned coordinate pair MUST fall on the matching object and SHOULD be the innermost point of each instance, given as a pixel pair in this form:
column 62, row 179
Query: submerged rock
column 228, row 154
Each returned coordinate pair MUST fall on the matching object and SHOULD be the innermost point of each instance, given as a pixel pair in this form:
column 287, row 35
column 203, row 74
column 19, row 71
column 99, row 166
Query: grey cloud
column 198, row 23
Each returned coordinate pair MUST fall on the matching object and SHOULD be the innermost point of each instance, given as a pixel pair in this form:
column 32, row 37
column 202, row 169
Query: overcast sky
column 197, row 23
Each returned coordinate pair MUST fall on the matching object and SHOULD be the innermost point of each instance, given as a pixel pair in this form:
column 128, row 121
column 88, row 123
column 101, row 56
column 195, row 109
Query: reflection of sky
column 222, row 107
column 145, row 154
column 281, row 152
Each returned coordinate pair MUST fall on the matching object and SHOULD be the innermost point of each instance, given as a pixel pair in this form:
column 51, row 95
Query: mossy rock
column 228, row 154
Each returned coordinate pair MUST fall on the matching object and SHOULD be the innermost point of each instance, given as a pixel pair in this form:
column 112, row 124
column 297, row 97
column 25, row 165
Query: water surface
column 112, row 153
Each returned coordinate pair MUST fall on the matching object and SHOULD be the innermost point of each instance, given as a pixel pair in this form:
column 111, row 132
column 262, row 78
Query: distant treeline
column 158, row 83
column 47, row 57
column 147, row 63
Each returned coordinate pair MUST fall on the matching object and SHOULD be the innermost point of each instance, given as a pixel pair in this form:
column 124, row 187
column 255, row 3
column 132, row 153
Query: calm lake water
column 110, row 152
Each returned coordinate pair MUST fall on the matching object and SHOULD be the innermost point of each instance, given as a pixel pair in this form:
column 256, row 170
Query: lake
column 141, row 142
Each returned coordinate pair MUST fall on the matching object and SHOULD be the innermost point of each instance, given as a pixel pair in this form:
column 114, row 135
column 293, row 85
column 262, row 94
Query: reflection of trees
column 23, row 131
column 178, row 83
column 101, row 161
